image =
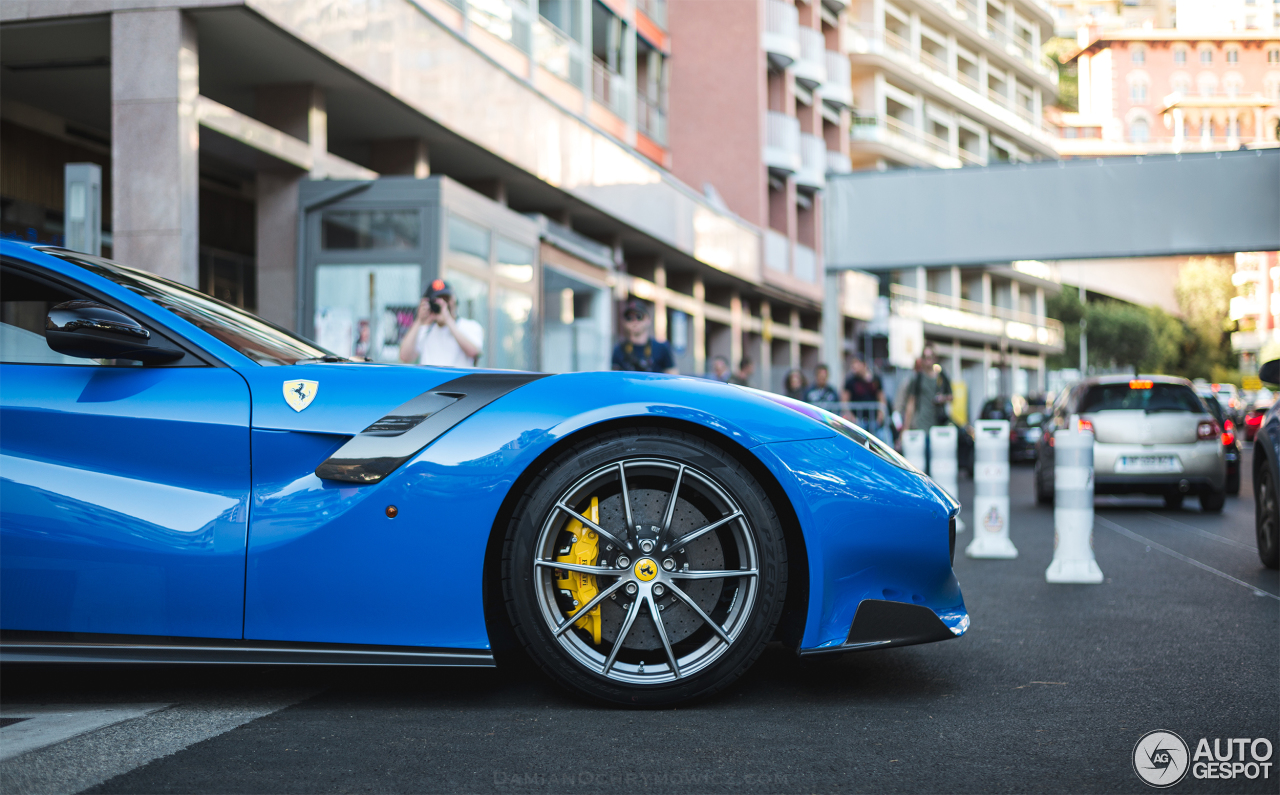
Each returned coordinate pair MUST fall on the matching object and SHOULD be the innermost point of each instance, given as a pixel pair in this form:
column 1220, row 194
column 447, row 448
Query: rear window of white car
column 1140, row 395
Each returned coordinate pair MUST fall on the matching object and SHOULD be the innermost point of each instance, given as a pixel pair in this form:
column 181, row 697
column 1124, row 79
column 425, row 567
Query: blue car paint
column 125, row 499
column 325, row 563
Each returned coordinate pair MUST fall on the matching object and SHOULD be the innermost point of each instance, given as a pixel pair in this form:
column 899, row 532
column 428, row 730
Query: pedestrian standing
column 438, row 336
column 743, row 376
column 927, row 395
column 862, row 386
column 639, row 351
column 822, row 393
column 794, row 385
column 719, row 370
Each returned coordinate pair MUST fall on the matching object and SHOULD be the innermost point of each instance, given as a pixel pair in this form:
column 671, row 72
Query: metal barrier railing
column 865, row 414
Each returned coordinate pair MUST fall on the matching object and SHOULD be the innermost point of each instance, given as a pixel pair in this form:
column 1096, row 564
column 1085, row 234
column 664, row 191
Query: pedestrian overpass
column 1166, row 205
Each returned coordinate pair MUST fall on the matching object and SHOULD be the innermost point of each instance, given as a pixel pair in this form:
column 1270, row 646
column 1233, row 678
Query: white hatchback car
column 1153, row 435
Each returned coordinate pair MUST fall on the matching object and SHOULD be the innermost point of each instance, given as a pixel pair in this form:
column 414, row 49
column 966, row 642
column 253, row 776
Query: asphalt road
column 1048, row 692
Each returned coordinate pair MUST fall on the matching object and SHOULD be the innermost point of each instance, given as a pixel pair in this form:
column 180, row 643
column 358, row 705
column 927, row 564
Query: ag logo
column 992, row 520
column 1160, row 759
column 299, row 394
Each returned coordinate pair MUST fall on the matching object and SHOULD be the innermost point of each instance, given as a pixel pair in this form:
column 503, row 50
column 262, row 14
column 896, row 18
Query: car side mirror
column 1270, row 372
column 90, row 330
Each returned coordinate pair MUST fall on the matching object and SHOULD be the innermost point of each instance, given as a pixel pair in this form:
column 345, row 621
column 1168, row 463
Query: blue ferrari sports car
column 184, row 482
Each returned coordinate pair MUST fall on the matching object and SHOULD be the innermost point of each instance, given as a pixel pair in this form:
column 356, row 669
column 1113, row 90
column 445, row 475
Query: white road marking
column 95, row 756
column 1200, row 532
column 1126, row 532
column 47, row 724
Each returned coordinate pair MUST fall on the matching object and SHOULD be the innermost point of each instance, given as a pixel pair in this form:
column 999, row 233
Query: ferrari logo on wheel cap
column 299, row 394
column 646, row 569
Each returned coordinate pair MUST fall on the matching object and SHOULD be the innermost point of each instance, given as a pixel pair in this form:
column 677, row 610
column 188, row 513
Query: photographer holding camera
column 437, row 336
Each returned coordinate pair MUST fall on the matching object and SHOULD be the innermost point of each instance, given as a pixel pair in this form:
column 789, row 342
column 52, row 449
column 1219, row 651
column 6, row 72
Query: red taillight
column 1207, row 430
column 1085, row 425
column 1228, row 433
column 1253, row 419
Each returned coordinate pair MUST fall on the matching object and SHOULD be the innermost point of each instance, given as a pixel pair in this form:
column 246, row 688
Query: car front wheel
column 644, row 568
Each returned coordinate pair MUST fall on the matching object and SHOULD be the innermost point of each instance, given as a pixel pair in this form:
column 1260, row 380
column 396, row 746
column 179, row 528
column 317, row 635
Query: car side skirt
column 54, row 647
column 881, row 624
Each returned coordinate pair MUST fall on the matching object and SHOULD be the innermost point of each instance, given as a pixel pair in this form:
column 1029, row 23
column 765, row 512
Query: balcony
column 557, row 52
column 608, row 87
column 838, row 90
column 813, row 162
column 806, row 264
column 776, row 251
column 655, row 10
column 781, row 40
column 782, row 143
column 838, row 163
column 651, row 118
column 895, row 139
column 975, row 318
column 810, row 69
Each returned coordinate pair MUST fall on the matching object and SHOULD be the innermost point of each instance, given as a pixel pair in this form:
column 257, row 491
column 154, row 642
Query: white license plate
column 1148, row 464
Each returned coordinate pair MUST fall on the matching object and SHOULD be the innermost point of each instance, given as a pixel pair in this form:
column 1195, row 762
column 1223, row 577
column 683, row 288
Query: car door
column 123, row 489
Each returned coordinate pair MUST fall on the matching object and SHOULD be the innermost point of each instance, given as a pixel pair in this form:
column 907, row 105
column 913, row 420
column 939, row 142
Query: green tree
column 1204, row 291
column 1059, row 50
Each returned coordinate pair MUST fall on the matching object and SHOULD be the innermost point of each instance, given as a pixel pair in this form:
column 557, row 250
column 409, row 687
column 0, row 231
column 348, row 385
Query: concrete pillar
column 1233, row 128
column 764, row 367
column 1179, row 130
column 401, row 156
column 955, row 286
column 735, row 330
column 297, row 110
column 660, row 302
column 987, row 295
column 700, row 326
column 794, row 351
column 1015, row 296
column 155, row 142
column 832, row 327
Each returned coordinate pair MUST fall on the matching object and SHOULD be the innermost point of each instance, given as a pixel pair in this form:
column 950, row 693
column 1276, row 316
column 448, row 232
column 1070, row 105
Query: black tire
column 1043, row 496
column 1212, row 500
column 705, row 632
column 1173, row 501
column 1233, row 484
column 1266, row 516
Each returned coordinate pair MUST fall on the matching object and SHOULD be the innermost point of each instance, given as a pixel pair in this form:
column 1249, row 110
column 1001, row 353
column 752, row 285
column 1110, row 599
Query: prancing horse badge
column 299, row 394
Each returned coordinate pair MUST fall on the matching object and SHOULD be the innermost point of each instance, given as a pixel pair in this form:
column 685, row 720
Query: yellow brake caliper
column 585, row 551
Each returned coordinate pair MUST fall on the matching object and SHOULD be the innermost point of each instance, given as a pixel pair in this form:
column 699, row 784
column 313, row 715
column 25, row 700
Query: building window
column 1206, row 56
column 1180, row 56
column 1233, row 56
column 1139, row 55
column 1139, row 131
column 651, row 91
column 1138, row 92
column 1273, row 56
column 1181, row 84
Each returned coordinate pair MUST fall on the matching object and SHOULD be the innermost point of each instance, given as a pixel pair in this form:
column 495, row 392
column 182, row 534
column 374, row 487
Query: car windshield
column 1033, row 420
column 1140, row 395
column 263, row 342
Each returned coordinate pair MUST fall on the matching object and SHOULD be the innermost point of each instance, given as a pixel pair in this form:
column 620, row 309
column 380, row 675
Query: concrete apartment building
column 318, row 161
column 949, row 83
column 760, row 100
column 1160, row 91
column 1256, row 308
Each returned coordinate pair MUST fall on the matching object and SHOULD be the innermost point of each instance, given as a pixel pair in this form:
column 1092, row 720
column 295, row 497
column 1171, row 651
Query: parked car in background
column 1003, row 408
column 1230, row 446
column 1025, row 432
column 1266, row 468
column 1254, row 414
column 1153, row 435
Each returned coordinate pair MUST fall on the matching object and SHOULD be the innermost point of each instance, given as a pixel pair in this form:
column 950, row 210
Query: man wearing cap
column 437, row 336
column 639, row 352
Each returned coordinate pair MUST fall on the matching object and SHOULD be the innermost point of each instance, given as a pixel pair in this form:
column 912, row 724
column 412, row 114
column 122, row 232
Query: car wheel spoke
column 713, row 575
column 587, row 608
column 581, row 568
column 622, row 635
column 626, row 497
column 662, row 633
column 671, row 501
column 706, row 619
column 588, row 523
column 690, row 536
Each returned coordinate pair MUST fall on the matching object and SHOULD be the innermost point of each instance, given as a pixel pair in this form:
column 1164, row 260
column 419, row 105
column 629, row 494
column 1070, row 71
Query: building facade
column 1163, row 91
column 317, row 161
column 949, row 84
column 1256, row 308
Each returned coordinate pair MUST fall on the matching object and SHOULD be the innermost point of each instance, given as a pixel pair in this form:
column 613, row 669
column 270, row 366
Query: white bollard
column 944, row 467
column 991, row 492
column 1073, row 560
column 913, row 448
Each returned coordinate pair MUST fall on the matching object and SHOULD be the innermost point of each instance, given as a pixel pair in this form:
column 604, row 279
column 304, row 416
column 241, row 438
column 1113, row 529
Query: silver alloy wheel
column 698, row 521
